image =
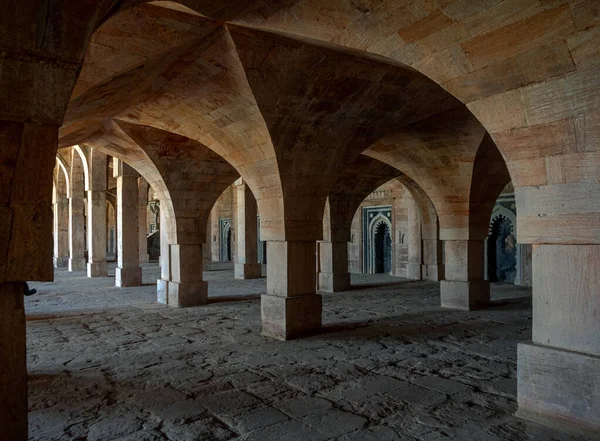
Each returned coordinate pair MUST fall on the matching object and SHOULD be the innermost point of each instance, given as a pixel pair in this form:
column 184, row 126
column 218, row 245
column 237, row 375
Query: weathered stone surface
column 106, row 360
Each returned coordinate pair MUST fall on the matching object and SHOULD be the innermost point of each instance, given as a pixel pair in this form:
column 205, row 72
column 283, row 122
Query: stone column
column 558, row 371
column 13, row 369
column 206, row 251
column 246, row 259
column 433, row 264
column 291, row 308
column 61, row 231
column 128, row 271
column 143, row 219
column 76, row 234
column 415, row 251
column 162, row 284
column 525, row 261
column 333, row 266
column 96, row 217
column 464, row 287
column 181, row 283
column 76, row 213
column 186, row 287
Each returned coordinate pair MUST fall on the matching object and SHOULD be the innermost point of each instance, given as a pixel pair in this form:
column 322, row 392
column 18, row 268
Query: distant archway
column 502, row 251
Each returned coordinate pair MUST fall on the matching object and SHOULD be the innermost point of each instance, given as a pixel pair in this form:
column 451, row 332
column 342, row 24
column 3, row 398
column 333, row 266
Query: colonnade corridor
column 299, row 220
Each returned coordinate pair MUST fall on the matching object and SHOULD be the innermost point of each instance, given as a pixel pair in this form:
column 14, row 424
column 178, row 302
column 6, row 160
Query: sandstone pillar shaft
column 246, row 258
column 291, row 308
column 433, row 262
column 464, row 287
column 13, row 369
column 162, row 284
column 333, row 266
column 61, row 232
column 76, row 234
column 143, row 219
column 180, row 283
column 415, row 251
column 558, row 371
column 96, row 218
column 128, row 271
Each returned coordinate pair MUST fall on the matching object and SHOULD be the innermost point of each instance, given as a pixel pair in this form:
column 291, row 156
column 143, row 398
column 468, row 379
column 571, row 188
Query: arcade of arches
column 433, row 157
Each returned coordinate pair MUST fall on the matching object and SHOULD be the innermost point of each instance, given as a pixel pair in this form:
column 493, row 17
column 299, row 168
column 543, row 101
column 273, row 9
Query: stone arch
column 84, row 164
column 65, row 174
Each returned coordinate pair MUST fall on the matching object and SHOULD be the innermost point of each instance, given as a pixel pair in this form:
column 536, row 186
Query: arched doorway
column 225, row 254
column 377, row 234
column 383, row 248
column 502, row 251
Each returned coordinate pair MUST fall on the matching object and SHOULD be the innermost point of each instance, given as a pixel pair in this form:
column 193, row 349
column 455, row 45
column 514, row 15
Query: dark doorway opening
column 502, row 252
column 383, row 249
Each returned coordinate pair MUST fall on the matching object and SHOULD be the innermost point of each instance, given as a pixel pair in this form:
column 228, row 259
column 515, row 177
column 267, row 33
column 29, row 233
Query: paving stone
column 382, row 384
column 335, row 422
column 258, row 418
column 208, row 429
column 441, row 384
column 186, row 409
column 376, row 433
column 417, row 395
column 300, row 407
column 288, row 431
column 230, row 402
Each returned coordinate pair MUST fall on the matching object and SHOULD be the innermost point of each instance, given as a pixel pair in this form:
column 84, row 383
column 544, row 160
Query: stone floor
column 111, row 364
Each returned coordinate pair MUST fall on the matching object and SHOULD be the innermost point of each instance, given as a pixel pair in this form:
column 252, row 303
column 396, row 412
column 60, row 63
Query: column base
column 558, row 388
column 162, row 291
column 413, row 271
column 128, row 277
column 286, row 318
column 60, row 262
column 463, row 295
column 184, row 295
column 97, row 269
column 13, row 369
column 77, row 264
column 334, row 282
column 433, row 272
column 248, row 270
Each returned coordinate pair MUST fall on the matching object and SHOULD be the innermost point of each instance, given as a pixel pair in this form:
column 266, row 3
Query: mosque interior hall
column 300, row 220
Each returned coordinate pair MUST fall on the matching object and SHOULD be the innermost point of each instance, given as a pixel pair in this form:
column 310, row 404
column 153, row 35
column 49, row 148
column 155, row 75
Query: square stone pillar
column 186, row 287
column 291, row 309
column 61, row 232
column 246, row 259
column 333, row 266
column 162, row 284
column 13, row 372
column 96, row 232
column 433, row 267
column 96, row 216
column 143, row 219
column 76, row 234
column 464, row 287
column 415, row 250
column 128, row 271
column 559, row 371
